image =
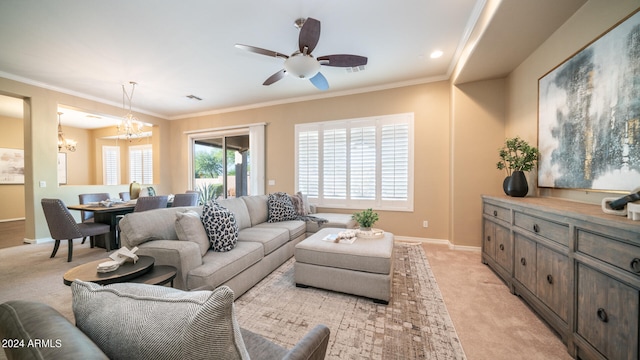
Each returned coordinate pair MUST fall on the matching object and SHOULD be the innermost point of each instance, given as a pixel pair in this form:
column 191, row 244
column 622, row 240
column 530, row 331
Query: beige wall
column 477, row 129
column 40, row 145
column 12, row 137
column 430, row 105
column 588, row 23
column 458, row 130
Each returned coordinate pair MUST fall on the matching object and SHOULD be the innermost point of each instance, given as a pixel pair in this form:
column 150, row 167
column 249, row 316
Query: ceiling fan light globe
column 302, row 66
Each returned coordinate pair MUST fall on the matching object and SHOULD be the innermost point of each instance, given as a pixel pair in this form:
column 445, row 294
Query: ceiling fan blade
column 261, row 51
column 342, row 60
column 320, row 81
column 275, row 77
column 309, row 35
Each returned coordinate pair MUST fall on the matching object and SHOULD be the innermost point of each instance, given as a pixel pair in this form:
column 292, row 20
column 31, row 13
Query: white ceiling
column 177, row 48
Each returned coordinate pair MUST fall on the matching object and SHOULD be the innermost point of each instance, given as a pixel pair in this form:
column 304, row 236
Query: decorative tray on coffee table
column 370, row 234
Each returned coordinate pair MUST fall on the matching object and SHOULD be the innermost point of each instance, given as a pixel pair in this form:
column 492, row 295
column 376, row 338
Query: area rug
column 414, row 325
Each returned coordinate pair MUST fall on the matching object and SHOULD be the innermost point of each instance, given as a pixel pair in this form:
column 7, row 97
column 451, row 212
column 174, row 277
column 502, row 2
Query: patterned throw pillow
column 221, row 226
column 280, row 208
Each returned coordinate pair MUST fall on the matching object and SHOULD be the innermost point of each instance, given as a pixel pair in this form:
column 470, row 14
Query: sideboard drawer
column 548, row 229
column 498, row 212
column 607, row 314
column 619, row 254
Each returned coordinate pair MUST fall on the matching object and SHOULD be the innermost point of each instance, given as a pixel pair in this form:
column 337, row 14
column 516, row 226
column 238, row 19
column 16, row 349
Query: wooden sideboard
column 576, row 266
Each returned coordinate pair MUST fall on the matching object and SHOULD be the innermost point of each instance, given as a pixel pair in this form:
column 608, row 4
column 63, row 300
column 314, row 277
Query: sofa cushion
column 271, row 238
column 159, row 224
column 258, row 208
column 221, row 227
column 139, row 321
column 239, row 209
column 294, row 227
column 33, row 321
column 219, row 267
column 342, row 221
column 189, row 228
column 280, row 208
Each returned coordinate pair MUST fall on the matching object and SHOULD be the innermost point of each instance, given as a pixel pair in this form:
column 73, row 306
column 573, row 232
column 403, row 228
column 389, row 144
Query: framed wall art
column 589, row 115
column 11, row 166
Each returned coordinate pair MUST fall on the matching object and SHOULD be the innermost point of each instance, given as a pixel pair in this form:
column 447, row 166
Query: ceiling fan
column 301, row 64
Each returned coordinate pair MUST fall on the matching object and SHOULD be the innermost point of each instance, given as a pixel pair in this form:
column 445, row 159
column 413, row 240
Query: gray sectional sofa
column 261, row 248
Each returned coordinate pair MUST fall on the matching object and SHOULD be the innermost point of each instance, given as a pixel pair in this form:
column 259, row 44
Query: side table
column 143, row 271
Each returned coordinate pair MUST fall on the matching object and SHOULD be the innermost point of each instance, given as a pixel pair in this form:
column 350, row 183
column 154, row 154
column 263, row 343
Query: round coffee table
column 142, row 271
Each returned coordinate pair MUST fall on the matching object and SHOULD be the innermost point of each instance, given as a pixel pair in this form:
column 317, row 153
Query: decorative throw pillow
column 139, row 321
column 280, row 208
column 298, row 204
column 189, row 228
column 220, row 225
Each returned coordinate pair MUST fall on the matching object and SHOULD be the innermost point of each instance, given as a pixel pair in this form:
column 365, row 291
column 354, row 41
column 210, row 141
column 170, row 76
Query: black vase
column 517, row 185
column 505, row 183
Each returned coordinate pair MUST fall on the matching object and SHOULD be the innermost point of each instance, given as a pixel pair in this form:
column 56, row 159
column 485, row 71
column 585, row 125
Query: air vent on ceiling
column 193, row 97
column 355, row 69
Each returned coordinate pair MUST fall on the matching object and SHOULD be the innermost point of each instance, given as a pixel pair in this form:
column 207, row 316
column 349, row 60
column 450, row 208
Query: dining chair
column 87, row 216
column 188, row 199
column 125, row 196
column 87, row 198
column 63, row 226
column 145, row 203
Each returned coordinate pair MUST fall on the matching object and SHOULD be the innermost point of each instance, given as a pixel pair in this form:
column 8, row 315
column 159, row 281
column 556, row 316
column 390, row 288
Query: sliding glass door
column 227, row 163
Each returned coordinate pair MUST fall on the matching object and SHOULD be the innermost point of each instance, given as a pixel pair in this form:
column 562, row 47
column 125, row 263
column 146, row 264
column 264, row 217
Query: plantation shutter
column 334, row 172
column 141, row 164
column 111, row 165
column 395, row 161
column 308, row 163
column 357, row 163
column 363, row 163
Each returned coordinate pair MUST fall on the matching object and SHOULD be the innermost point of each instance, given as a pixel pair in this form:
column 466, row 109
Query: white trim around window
column 357, row 163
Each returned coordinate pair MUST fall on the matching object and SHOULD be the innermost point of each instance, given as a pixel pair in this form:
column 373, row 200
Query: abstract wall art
column 11, row 166
column 589, row 115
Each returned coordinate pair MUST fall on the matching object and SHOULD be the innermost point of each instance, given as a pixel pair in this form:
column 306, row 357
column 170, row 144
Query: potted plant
column 516, row 157
column 366, row 219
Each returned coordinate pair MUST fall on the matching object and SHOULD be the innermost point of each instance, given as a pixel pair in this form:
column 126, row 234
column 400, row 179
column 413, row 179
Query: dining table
column 106, row 215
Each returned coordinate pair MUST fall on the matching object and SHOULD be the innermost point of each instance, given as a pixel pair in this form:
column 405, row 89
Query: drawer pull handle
column 635, row 265
column 489, row 238
column 501, row 247
column 602, row 315
column 523, row 261
column 536, row 228
column 495, row 213
column 550, row 279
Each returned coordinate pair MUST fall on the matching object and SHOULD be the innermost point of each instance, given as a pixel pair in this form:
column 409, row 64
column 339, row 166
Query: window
column 141, row 164
column 111, row 165
column 238, row 169
column 357, row 163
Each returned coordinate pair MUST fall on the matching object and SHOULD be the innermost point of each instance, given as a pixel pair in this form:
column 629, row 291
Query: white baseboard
column 438, row 241
column 9, row 220
column 38, row 241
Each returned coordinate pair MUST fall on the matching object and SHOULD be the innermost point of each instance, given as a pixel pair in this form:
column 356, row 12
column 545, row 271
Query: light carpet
column 414, row 325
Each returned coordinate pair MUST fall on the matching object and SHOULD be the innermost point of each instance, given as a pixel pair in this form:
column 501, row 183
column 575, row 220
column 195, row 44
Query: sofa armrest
column 313, row 346
column 183, row 255
column 37, row 331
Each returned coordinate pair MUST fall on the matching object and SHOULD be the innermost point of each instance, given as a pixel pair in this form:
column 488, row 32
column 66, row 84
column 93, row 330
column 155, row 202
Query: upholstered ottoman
column 364, row 268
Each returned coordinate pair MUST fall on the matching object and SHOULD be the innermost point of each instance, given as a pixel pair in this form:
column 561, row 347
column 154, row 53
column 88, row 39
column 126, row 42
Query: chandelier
column 129, row 127
column 64, row 143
